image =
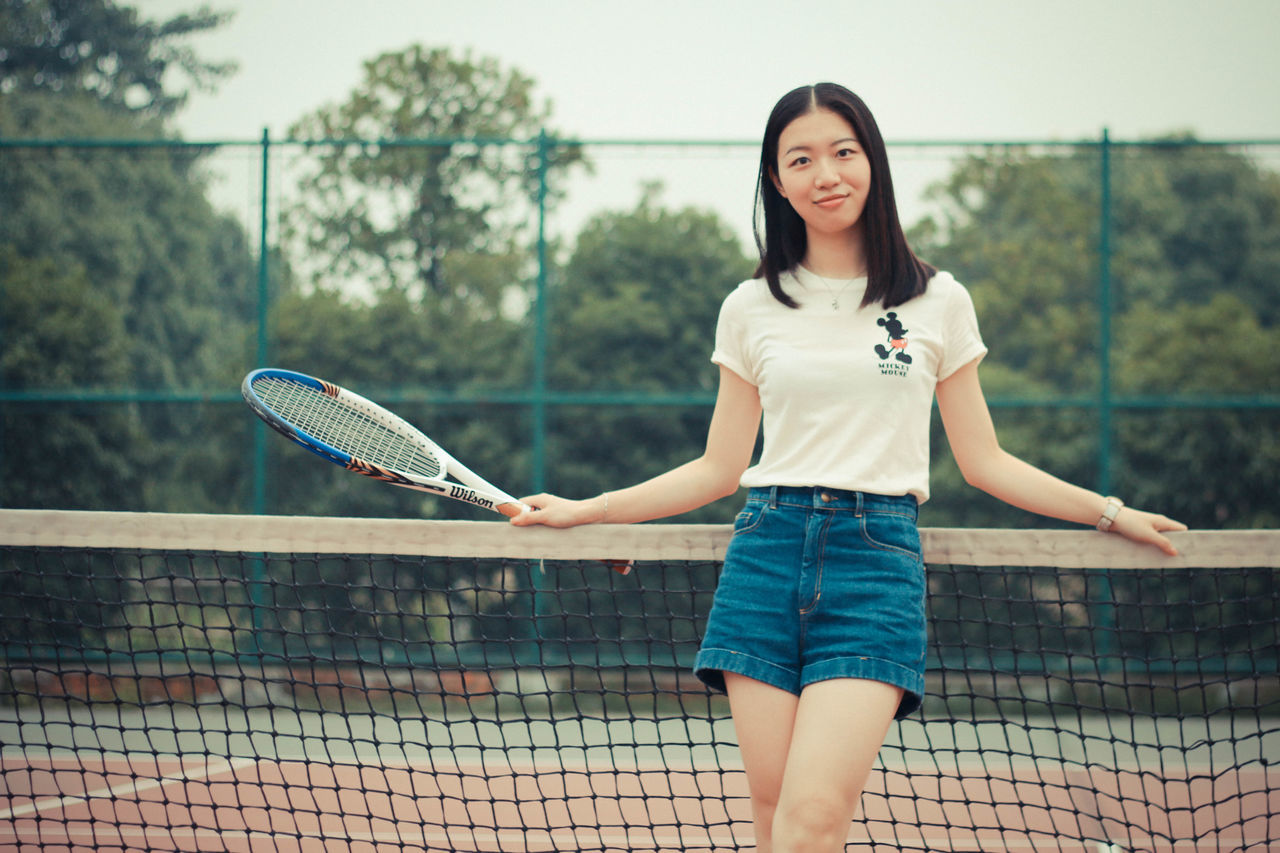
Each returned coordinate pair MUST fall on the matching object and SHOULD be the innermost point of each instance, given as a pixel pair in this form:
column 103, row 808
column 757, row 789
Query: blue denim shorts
column 820, row 583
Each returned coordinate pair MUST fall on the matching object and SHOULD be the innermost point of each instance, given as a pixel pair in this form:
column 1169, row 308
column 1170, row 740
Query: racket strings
column 346, row 428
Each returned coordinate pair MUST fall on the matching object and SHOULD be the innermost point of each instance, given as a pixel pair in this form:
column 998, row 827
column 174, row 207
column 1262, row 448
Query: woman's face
column 823, row 172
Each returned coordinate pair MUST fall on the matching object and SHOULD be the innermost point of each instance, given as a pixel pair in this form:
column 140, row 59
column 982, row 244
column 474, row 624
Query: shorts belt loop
column 857, row 512
column 773, row 497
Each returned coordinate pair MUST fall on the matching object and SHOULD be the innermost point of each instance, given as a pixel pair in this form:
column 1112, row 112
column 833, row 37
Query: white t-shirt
column 847, row 393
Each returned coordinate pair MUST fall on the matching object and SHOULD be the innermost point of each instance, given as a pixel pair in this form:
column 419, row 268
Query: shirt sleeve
column 962, row 342
column 731, row 341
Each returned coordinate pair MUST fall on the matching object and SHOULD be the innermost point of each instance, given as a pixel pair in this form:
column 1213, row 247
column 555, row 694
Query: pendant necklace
column 835, row 297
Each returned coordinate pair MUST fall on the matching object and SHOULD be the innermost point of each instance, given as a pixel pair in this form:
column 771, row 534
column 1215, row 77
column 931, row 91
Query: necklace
column 835, row 296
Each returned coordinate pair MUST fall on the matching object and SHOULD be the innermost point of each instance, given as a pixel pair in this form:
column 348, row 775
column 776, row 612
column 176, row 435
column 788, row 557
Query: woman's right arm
column 731, row 439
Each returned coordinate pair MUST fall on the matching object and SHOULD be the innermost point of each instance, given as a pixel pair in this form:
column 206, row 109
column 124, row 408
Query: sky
column 685, row 69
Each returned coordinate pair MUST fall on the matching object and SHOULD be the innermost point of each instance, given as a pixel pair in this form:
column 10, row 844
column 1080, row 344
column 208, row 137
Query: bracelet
column 1109, row 514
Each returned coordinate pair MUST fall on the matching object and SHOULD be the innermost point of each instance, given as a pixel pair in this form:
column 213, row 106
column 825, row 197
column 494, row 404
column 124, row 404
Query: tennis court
column 248, row 683
column 289, row 781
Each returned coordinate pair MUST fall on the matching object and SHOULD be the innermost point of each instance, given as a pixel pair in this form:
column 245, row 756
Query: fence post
column 260, row 356
column 540, row 336
column 538, row 404
column 256, row 566
column 1106, row 304
column 1104, row 611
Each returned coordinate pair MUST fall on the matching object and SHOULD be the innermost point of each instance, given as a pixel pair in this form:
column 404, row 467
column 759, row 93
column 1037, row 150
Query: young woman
column 817, row 630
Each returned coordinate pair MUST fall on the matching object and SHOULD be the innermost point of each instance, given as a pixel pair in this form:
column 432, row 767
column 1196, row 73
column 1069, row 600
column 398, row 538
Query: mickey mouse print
column 897, row 346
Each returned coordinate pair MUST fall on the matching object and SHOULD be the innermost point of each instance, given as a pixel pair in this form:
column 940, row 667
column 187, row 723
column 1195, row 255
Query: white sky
column 676, row 69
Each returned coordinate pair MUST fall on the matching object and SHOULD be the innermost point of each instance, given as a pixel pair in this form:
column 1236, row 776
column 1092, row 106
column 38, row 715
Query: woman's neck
column 836, row 255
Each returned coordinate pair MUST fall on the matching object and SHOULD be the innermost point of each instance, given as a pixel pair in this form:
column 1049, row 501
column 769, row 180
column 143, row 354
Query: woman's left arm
column 987, row 466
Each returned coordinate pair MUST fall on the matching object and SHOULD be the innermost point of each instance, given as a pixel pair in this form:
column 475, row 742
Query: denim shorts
column 820, row 583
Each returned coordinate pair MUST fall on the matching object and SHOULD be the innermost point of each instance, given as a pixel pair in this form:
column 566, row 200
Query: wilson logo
column 462, row 493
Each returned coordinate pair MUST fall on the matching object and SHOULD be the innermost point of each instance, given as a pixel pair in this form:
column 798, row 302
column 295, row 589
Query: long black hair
column 894, row 273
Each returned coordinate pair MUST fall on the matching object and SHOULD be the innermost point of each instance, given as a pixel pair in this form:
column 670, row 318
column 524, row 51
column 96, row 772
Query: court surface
column 218, row 778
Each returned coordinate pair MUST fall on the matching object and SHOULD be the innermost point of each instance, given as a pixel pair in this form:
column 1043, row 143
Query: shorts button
column 826, row 498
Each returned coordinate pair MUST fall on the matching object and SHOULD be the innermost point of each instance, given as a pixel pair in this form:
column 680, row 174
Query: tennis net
column 187, row 682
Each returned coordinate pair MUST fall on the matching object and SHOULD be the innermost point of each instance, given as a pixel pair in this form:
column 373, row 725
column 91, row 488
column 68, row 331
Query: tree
column 1196, row 277
column 1215, row 467
column 386, row 209
column 411, row 244
column 636, row 308
column 60, row 332
column 1019, row 231
column 138, row 219
column 136, row 225
column 104, row 49
column 1193, row 222
column 382, row 350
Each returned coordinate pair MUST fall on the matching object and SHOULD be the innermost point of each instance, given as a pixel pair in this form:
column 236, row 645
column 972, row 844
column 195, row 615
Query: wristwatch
column 1109, row 514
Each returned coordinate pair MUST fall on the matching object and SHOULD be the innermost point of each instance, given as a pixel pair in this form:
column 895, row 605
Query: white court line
column 133, row 786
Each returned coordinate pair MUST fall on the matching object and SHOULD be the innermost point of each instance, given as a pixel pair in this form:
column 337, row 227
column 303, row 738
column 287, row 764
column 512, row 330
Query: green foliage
column 134, row 226
column 1020, row 232
column 635, row 309
column 1217, row 467
column 382, row 349
column 1193, row 222
column 1219, row 346
column 413, row 260
column 636, row 305
column 138, row 221
column 59, row 332
column 396, row 341
column 388, row 215
column 104, row 49
column 1196, row 281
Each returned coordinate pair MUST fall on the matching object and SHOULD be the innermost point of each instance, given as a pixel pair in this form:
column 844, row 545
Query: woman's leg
column 763, row 717
column 837, row 730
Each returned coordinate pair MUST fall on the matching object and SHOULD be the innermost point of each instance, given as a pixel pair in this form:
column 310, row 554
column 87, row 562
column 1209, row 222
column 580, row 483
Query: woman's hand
column 553, row 511
column 1146, row 527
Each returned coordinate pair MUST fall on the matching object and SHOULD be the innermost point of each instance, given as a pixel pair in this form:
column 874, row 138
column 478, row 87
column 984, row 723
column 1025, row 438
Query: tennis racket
column 363, row 437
